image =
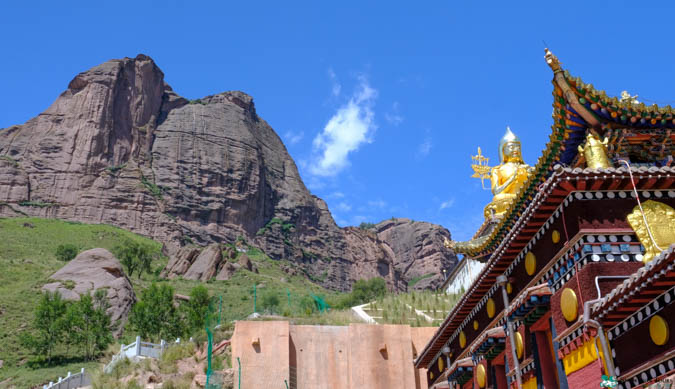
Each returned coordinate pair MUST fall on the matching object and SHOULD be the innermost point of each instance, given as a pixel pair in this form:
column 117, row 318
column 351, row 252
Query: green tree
column 88, row 323
column 134, row 256
column 154, row 316
column 66, row 252
column 196, row 308
column 48, row 325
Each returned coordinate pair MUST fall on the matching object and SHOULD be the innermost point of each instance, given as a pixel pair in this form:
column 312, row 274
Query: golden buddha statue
column 507, row 177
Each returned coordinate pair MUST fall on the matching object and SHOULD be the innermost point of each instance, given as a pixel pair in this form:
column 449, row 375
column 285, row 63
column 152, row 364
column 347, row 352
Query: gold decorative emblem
column 509, row 288
column 490, row 306
column 480, row 168
column 595, row 151
column 530, row 263
column 555, row 236
column 481, row 377
column 658, row 330
column 462, row 339
column 440, row 364
column 569, row 304
column 475, row 324
column 519, row 344
column 655, row 229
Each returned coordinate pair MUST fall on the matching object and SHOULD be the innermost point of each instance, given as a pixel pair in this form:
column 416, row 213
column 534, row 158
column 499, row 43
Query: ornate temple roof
column 577, row 107
column 643, row 133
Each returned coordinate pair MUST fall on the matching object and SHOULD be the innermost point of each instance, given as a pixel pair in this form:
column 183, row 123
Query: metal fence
column 71, row 381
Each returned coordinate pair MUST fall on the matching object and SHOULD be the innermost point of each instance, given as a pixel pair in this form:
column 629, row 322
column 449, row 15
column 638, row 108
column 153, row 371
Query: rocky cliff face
column 120, row 147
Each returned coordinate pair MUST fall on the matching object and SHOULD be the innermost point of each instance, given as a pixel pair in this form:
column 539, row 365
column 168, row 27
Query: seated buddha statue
column 508, row 177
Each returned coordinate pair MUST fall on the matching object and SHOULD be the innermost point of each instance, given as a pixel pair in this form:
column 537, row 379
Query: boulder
column 180, row 262
column 206, row 265
column 96, row 269
column 227, row 271
column 245, row 262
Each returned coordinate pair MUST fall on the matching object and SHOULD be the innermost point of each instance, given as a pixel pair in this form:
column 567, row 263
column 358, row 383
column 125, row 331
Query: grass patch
column 115, row 169
column 10, row 160
column 37, row 204
column 154, row 189
column 417, row 279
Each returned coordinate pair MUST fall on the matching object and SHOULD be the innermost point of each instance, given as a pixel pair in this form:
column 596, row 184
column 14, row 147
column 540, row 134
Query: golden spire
column 552, row 61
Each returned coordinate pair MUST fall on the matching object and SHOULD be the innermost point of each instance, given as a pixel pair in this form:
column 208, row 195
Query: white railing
column 71, row 381
column 137, row 350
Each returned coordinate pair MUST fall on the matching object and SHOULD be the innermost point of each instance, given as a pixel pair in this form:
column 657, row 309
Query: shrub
column 366, row 226
column 134, row 256
column 66, row 252
column 270, row 301
column 154, row 315
column 196, row 308
column 48, row 323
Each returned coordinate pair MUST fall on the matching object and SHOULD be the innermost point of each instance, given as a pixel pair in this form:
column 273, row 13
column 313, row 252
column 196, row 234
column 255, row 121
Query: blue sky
column 381, row 104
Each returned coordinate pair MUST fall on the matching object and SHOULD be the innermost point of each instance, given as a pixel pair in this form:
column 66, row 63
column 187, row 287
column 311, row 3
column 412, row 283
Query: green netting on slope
column 214, row 314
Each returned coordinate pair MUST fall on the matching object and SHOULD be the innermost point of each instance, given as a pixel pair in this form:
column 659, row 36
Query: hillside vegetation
column 28, row 256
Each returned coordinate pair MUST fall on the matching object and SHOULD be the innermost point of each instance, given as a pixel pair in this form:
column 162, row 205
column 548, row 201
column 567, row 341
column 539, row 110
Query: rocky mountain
column 119, row 146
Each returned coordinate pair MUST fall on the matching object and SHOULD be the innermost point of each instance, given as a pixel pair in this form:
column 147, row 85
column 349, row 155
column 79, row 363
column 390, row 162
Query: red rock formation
column 120, row 147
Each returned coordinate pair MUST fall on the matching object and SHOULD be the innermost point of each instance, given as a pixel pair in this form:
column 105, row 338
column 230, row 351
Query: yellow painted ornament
column 475, row 324
column 490, row 306
column 530, row 263
column 462, row 339
column 555, row 236
column 569, row 304
column 658, row 330
column 481, row 377
column 519, row 344
column 440, row 364
column 509, row 288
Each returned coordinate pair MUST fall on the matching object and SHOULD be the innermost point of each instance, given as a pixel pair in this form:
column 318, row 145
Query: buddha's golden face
column 511, row 152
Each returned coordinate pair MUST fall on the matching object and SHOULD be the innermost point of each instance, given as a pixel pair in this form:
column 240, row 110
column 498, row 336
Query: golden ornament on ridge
column 661, row 221
column 595, row 151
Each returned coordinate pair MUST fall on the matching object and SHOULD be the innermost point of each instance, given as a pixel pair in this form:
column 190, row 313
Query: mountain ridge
column 120, row 147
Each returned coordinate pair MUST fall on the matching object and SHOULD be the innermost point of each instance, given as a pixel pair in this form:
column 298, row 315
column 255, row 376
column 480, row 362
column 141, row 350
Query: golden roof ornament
column 655, row 228
column 595, row 151
column 552, row 60
column 627, row 98
column 480, row 168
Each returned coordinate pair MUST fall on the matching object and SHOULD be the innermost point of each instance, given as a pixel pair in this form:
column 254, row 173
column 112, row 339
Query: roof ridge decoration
column 578, row 107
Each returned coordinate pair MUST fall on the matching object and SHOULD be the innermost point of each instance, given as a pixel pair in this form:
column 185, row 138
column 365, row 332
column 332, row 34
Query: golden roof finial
column 552, row 60
column 627, row 98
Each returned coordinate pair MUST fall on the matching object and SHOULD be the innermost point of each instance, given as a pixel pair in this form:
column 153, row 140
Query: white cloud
column 294, row 137
column 336, row 88
column 425, row 147
column 447, row 204
column 336, row 195
column 377, row 204
column 394, row 117
column 343, row 207
column 352, row 125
